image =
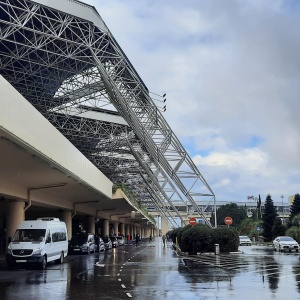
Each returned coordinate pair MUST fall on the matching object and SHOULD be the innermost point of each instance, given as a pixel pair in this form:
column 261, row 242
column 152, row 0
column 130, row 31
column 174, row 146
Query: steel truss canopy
column 63, row 59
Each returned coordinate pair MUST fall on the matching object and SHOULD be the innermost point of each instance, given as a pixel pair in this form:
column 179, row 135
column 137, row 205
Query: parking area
column 152, row 271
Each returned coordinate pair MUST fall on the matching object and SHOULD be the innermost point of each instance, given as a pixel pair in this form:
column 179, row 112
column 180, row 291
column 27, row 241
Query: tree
column 269, row 216
column 249, row 227
column 259, row 208
column 237, row 213
column 295, row 207
column 278, row 228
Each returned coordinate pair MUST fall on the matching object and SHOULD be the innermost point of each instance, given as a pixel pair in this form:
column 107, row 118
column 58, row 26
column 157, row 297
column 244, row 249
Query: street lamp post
column 282, row 206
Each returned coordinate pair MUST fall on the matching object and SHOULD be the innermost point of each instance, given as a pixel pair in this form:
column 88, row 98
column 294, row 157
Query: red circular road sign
column 228, row 220
column 192, row 221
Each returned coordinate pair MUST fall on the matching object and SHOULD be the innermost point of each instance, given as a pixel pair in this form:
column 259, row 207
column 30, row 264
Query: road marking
column 118, row 274
column 119, row 279
column 99, row 265
column 123, row 286
column 129, row 295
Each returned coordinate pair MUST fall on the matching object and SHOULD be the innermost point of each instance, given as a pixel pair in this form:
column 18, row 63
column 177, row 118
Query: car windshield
column 29, row 235
column 244, row 238
column 105, row 239
column 120, row 238
column 78, row 239
column 113, row 239
column 286, row 238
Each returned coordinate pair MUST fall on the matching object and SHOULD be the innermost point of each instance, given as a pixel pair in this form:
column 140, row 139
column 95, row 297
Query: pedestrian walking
column 128, row 239
column 164, row 240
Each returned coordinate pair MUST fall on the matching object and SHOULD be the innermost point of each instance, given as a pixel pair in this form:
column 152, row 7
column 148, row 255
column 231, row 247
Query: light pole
column 282, row 206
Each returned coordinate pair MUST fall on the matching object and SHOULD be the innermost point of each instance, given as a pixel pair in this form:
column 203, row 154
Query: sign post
column 228, row 221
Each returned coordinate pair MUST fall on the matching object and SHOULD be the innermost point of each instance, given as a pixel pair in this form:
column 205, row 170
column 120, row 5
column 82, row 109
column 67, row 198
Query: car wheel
column 43, row 263
column 61, row 259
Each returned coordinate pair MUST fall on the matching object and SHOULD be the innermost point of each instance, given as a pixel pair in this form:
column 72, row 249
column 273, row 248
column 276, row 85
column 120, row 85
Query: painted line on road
column 123, row 286
column 119, row 279
column 118, row 274
column 129, row 295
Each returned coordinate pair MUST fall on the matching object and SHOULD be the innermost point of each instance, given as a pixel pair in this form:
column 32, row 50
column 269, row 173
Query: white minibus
column 38, row 242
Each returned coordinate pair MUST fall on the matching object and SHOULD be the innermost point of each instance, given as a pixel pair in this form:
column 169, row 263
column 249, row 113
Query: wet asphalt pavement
column 151, row 271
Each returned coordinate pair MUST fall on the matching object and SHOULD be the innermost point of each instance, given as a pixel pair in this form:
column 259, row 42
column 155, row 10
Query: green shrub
column 200, row 238
column 227, row 238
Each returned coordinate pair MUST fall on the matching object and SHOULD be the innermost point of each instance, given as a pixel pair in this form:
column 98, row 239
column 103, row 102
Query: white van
column 38, row 241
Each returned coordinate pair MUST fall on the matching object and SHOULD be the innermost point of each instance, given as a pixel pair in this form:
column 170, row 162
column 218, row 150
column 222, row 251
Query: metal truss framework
column 68, row 68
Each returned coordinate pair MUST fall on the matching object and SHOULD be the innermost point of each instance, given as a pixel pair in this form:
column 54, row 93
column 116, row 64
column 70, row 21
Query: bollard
column 217, row 249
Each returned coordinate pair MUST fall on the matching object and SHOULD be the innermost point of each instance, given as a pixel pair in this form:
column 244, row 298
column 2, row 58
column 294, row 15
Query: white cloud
column 231, row 70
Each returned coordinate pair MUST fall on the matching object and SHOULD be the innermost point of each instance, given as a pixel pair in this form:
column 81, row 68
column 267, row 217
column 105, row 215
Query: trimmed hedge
column 200, row 238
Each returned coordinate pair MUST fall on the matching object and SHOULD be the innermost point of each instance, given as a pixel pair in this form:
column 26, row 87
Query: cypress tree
column 269, row 216
column 295, row 207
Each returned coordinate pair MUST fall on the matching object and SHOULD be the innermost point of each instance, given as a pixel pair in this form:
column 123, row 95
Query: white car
column 285, row 243
column 244, row 240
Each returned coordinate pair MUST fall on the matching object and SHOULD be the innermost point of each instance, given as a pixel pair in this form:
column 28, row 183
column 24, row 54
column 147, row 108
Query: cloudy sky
column 231, row 71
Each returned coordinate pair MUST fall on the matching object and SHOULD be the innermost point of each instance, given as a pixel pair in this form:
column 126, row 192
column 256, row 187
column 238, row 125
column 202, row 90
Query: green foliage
column 173, row 234
column 200, row 238
column 227, row 238
column 278, row 228
column 237, row 213
column 294, row 232
column 269, row 216
column 295, row 207
column 248, row 227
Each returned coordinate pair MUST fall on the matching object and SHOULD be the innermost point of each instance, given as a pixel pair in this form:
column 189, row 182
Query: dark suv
column 82, row 243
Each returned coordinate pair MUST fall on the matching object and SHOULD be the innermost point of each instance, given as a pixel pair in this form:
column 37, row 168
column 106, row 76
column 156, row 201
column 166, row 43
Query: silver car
column 245, row 240
column 121, row 240
column 285, row 243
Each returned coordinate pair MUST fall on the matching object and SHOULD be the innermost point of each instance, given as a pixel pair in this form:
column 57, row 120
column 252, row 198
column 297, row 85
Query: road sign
column 228, row 220
column 258, row 228
column 192, row 221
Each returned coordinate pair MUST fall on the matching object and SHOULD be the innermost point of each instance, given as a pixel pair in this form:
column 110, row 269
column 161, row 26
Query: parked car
column 82, row 243
column 114, row 241
column 285, row 243
column 245, row 240
column 107, row 242
column 121, row 240
column 99, row 244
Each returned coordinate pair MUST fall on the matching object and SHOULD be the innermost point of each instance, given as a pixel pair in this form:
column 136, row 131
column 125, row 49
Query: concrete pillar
column 91, row 224
column 164, row 226
column 143, row 232
column 116, row 227
column 132, row 231
column 15, row 215
column 105, row 228
column 66, row 216
column 122, row 228
column 127, row 229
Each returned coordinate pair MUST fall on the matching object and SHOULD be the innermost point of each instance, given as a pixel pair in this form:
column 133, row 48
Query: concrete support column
column 164, row 226
column 122, row 228
column 66, row 216
column 134, row 230
column 116, row 227
column 143, row 235
column 91, row 224
column 127, row 229
column 15, row 215
column 105, row 228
